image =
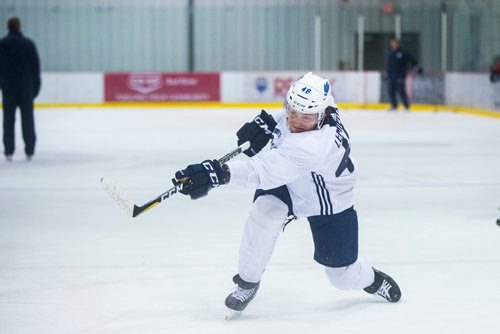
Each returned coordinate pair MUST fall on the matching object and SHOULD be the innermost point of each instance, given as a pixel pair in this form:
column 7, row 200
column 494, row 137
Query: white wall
column 71, row 87
column 355, row 87
column 461, row 89
column 472, row 89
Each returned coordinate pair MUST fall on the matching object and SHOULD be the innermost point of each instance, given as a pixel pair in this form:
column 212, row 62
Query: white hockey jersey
column 316, row 166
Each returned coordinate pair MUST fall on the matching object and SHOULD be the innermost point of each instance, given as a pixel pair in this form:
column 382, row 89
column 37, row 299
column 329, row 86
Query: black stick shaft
column 138, row 210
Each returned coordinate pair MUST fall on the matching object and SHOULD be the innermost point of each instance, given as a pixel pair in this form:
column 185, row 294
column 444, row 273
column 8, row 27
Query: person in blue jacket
column 398, row 63
column 20, row 84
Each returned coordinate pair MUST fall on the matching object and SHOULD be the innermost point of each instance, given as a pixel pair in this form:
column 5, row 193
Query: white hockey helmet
column 311, row 94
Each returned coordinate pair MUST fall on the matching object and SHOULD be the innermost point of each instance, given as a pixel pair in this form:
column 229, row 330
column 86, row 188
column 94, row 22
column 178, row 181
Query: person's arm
column 269, row 170
column 1, row 66
column 35, row 68
column 280, row 166
column 415, row 66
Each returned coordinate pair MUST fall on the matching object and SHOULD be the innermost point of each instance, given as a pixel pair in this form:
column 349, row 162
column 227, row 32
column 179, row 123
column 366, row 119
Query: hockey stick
column 122, row 199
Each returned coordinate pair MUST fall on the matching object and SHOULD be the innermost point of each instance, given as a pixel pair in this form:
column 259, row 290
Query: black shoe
column 385, row 287
column 242, row 295
column 8, row 157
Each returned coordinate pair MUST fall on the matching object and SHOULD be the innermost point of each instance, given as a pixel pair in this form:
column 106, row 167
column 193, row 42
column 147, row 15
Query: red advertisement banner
column 161, row 87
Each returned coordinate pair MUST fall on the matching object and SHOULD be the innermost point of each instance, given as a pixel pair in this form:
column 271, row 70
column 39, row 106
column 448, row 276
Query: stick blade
column 114, row 191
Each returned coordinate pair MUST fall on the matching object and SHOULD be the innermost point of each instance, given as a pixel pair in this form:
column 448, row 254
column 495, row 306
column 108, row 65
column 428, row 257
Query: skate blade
column 232, row 314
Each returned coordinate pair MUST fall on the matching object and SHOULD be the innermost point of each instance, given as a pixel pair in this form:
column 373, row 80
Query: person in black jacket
column 20, row 84
column 398, row 63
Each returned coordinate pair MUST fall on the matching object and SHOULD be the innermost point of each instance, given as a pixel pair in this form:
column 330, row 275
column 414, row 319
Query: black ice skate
column 385, row 287
column 242, row 295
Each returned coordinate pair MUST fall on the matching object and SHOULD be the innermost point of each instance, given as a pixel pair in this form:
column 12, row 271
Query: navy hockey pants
column 335, row 236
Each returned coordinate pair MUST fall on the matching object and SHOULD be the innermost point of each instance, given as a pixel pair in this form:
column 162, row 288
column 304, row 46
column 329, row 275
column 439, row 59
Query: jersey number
column 346, row 162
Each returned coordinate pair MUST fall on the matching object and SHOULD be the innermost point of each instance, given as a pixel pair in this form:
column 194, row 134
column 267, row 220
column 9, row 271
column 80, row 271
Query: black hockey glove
column 258, row 132
column 198, row 179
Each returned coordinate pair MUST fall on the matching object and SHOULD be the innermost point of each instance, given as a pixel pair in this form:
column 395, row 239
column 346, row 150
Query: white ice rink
column 72, row 261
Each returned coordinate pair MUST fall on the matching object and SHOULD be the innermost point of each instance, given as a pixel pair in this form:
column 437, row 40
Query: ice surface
column 72, row 261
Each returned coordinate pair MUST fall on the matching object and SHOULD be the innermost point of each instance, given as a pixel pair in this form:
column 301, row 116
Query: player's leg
column 336, row 247
column 392, row 94
column 9, row 119
column 261, row 231
column 355, row 276
column 28, row 125
column 262, row 228
column 402, row 92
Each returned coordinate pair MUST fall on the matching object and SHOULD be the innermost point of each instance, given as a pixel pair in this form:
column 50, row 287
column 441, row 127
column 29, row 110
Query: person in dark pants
column 398, row 63
column 20, row 84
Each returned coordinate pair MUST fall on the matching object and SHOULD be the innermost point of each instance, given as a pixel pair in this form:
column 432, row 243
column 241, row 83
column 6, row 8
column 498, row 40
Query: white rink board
column 72, row 262
column 347, row 86
column 71, row 87
column 472, row 89
column 461, row 89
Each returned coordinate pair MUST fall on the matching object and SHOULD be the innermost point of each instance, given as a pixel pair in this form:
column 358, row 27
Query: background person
column 398, row 63
column 20, row 84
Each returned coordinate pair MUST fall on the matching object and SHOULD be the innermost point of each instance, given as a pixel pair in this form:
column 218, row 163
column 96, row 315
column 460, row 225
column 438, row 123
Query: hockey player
column 308, row 172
